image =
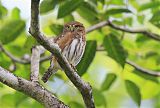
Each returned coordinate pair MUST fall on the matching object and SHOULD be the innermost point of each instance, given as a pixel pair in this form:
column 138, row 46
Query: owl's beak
column 71, row 28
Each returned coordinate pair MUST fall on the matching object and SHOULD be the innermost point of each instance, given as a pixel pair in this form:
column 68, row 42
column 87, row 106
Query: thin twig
column 19, row 60
column 82, row 86
column 97, row 26
column 13, row 58
column 143, row 70
column 137, row 67
column 109, row 23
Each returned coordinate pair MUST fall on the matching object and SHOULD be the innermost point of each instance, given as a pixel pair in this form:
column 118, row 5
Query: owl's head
column 74, row 27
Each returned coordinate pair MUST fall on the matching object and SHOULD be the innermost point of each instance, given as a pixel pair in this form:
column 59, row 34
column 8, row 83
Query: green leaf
column 56, row 28
column 7, row 100
column 68, row 18
column 15, row 14
column 29, row 43
column 140, row 18
column 148, row 5
column 75, row 105
column 99, row 98
column 47, row 5
column 146, row 76
column 156, row 19
column 117, row 11
column 68, row 6
column 12, row 100
column 1, row 85
column 93, row 2
column 141, row 38
column 116, row 2
column 109, row 80
column 133, row 91
column 87, row 58
column 4, row 61
column 128, row 21
column 19, row 97
column 3, row 11
column 10, row 31
column 102, row 1
column 115, row 50
column 88, row 12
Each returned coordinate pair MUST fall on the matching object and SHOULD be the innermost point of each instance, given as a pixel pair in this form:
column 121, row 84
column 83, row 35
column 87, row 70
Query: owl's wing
column 64, row 39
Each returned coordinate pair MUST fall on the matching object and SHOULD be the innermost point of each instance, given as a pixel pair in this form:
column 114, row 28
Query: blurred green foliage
column 114, row 82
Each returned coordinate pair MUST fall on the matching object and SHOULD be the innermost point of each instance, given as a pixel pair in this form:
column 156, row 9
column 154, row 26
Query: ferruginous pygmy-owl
column 72, row 43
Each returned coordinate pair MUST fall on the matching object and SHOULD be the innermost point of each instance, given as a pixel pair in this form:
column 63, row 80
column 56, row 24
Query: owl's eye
column 77, row 28
column 67, row 27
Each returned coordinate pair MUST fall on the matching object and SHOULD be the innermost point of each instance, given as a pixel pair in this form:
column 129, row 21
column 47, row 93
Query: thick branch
column 31, row 89
column 143, row 70
column 83, row 87
column 109, row 23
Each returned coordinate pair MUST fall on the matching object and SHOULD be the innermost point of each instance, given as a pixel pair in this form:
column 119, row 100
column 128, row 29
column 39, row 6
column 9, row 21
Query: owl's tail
column 48, row 73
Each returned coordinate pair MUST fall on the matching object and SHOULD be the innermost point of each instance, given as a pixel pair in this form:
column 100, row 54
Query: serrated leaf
column 148, row 5
column 114, row 49
column 47, row 5
column 88, row 12
column 10, row 31
column 87, row 58
column 68, row 6
column 117, row 11
column 99, row 98
column 56, row 28
column 3, row 11
column 109, row 80
column 15, row 14
column 68, row 18
column 133, row 91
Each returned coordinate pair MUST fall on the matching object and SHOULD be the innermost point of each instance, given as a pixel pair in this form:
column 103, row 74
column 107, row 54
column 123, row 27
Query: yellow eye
column 77, row 28
column 67, row 27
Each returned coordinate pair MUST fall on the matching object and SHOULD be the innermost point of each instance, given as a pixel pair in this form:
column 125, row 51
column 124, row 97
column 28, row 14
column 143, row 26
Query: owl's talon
column 73, row 67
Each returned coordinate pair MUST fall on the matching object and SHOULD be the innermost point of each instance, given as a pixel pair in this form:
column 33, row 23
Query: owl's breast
column 74, row 51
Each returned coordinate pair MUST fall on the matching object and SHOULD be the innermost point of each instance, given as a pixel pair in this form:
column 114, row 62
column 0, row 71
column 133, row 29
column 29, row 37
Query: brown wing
column 64, row 39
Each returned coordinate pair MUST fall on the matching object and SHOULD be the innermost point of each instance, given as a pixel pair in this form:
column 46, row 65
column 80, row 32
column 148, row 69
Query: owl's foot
column 73, row 67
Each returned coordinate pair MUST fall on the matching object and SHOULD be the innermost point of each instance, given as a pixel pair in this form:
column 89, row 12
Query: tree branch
column 13, row 58
column 97, row 26
column 109, row 23
column 35, row 58
column 143, row 70
column 137, row 67
column 82, row 86
column 31, row 89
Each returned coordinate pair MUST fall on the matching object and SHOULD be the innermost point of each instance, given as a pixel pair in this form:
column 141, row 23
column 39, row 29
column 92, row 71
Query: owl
column 72, row 43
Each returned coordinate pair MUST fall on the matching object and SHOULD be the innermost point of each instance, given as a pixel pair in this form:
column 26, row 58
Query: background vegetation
column 116, row 84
